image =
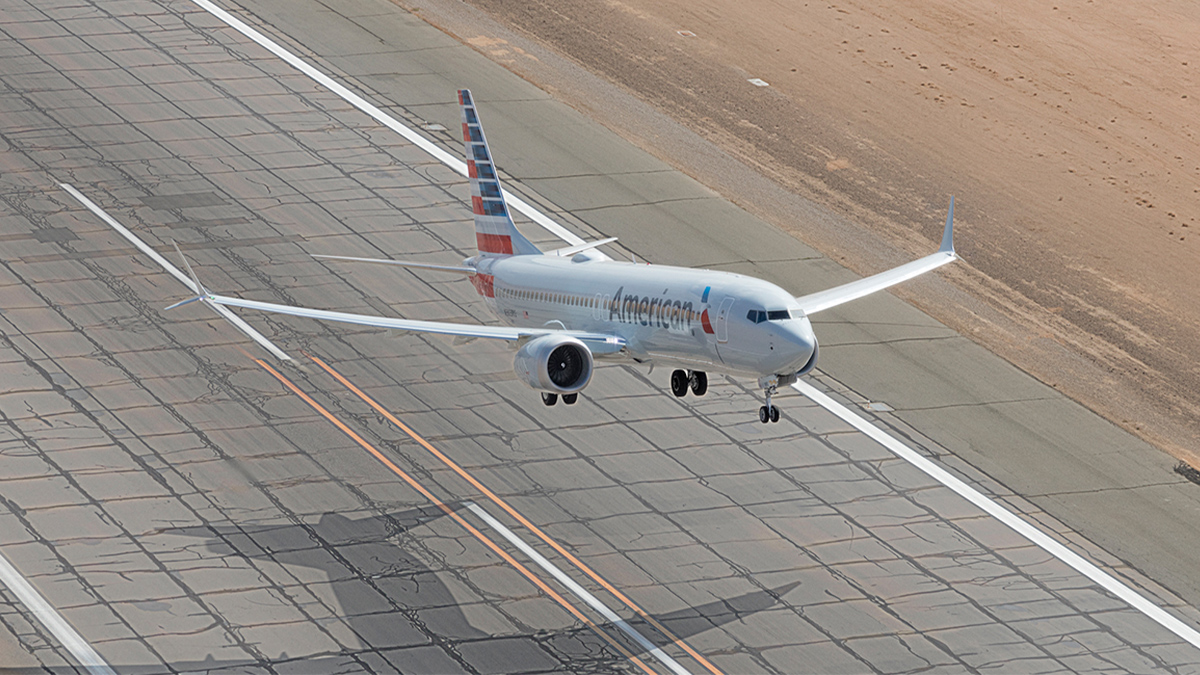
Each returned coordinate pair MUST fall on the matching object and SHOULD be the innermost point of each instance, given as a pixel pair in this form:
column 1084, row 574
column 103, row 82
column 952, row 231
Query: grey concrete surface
column 1148, row 540
column 185, row 511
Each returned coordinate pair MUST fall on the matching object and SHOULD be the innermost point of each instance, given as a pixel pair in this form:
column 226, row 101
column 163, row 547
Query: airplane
column 566, row 308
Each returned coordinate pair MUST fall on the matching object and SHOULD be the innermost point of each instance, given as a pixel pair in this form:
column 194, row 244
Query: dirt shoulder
column 1067, row 133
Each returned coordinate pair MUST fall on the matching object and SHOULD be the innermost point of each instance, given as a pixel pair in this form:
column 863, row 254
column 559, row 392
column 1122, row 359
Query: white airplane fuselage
column 686, row 318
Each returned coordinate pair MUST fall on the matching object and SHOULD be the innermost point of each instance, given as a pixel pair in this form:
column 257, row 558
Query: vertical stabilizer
column 495, row 233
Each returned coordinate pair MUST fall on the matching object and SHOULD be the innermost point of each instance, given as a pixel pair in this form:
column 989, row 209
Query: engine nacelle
column 556, row 363
column 812, row 360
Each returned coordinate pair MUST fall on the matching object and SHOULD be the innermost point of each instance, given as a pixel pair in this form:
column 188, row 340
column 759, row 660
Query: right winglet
column 948, row 233
column 202, row 293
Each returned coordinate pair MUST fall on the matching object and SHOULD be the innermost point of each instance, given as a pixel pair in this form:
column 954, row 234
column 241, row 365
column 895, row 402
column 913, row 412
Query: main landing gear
column 682, row 380
column 551, row 399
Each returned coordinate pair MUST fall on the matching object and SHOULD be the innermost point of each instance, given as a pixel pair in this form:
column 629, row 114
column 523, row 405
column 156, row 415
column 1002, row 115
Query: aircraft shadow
column 391, row 600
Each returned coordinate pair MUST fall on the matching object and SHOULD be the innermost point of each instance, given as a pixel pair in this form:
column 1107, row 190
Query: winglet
column 201, row 292
column 948, row 233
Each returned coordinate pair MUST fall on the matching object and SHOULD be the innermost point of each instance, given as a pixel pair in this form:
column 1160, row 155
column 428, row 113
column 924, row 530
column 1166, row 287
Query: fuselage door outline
column 723, row 320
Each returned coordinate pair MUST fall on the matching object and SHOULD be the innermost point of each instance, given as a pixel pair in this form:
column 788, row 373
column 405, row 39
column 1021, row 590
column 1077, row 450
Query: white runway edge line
column 1018, row 524
column 457, row 165
column 174, row 271
column 575, row 588
column 52, row 620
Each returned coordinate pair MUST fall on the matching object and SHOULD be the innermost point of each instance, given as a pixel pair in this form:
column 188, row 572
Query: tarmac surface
column 397, row 503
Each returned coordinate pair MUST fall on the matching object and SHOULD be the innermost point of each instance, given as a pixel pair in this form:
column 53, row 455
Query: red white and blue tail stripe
column 495, row 233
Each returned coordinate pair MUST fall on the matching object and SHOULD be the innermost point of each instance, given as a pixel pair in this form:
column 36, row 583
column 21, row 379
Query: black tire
column 549, row 399
column 569, row 399
column 699, row 382
column 763, row 415
column 774, row 414
column 679, row 383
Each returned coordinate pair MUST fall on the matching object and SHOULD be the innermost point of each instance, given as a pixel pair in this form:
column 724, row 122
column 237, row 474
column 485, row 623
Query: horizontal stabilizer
column 401, row 263
column 580, row 248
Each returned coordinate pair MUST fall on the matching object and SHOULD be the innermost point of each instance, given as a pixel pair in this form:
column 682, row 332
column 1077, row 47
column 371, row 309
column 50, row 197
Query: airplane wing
column 599, row 343
column 822, row 300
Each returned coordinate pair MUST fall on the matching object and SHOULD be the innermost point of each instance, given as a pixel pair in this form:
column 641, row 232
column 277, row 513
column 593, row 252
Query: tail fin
column 495, row 233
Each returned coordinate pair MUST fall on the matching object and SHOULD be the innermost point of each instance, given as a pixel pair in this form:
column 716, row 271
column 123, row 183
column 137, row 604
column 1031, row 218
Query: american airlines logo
column 660, row 312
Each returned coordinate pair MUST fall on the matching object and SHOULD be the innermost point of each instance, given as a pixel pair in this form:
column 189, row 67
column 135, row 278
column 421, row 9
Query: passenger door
column 723, row 320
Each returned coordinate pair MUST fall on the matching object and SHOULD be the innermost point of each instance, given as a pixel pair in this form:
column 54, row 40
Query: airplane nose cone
column 794, row 345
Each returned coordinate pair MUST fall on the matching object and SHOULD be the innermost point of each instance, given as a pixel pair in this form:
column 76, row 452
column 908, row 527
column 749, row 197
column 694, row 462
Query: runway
column 399, row 503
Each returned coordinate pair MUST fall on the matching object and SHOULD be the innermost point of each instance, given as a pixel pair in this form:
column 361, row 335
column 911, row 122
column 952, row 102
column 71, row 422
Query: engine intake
column 554, row 363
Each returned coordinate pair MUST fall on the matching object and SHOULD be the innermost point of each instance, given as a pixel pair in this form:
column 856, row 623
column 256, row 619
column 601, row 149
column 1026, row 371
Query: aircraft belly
column 685, row 349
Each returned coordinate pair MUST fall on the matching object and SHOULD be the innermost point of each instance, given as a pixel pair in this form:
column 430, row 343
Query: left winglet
column 202, row 293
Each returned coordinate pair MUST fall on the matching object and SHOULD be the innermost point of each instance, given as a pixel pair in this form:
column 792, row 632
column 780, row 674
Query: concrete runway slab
column 187, row 506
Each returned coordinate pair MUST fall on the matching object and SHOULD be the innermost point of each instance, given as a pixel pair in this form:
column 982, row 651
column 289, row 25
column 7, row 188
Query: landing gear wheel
column 569, row 399
column 679, row 383
column 550, row 399
column 769, row 413
column 699, row 382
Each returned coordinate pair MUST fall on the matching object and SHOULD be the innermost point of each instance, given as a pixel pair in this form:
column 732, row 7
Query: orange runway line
column 454, row 515
column 521, row 519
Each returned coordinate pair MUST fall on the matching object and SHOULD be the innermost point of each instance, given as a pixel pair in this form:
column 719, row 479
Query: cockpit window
column 759, row 316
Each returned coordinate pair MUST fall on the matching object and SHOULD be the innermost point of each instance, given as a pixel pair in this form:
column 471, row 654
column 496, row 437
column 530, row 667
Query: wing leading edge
column 822, row 300
column 599, row 343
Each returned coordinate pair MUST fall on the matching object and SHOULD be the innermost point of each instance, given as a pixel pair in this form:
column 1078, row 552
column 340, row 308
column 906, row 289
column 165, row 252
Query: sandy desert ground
column 1066, row 131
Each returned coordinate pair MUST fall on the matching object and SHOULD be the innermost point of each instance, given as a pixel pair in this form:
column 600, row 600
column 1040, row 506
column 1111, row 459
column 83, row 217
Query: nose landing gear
column 682, row 380
column 771, row 385
column 768, row 414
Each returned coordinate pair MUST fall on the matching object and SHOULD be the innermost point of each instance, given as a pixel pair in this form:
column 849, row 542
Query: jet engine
column 555, row 363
